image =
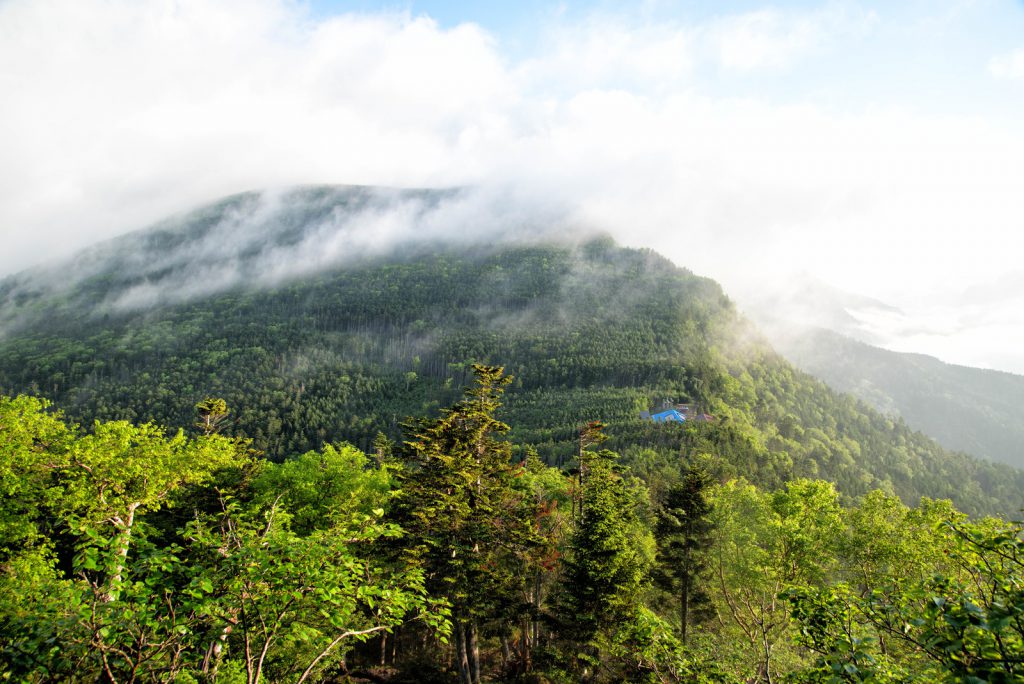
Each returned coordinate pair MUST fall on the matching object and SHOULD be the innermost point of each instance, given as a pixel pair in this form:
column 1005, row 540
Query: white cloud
column 1009, row 66
column 773, row 39
column 119, row 112
column 763, row 39
column 598, row 53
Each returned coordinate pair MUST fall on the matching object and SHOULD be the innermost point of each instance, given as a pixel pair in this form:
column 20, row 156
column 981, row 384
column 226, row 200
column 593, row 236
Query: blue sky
column 874, row 146
column 918, row 54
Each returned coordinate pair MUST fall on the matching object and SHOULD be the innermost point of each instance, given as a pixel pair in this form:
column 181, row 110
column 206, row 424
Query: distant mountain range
column 974, row 410
column 967, row 409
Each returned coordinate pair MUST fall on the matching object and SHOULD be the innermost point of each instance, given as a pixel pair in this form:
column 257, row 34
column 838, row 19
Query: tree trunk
column 506, row 652
column 535, row 626
column 767, row 659
column 213, row 654
column 474, row 652
column 525, row 651
column 124, row 540
column 461, row 655
column 684, row 606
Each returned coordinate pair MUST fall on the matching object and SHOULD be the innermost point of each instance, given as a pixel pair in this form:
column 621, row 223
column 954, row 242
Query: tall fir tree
column 606, row 566
column 468, row 522
column 683, row 532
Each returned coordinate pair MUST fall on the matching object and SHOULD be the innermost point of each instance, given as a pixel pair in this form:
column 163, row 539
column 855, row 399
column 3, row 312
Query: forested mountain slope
column 314, row 332
column 971, row 409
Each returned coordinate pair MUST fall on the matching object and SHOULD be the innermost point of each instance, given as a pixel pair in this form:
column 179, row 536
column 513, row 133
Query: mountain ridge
column 591, row 331
column 976, row 410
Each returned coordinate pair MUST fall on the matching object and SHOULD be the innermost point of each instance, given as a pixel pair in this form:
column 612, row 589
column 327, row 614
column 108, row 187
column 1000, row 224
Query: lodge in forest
column 676, row 413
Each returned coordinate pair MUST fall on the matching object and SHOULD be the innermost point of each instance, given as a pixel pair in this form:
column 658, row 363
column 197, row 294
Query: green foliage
column 960, row 622
column 211, row 413
column 588, row 333
column 30, row 438
column 766, row 543
column 470, row 524
column 289, row 600
column 643, row 648
column 609, row 555
column 320, row 488
column 277, row 582
column 683, row 532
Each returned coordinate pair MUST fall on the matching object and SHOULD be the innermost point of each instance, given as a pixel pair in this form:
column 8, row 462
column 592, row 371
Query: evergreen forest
column 433, row 465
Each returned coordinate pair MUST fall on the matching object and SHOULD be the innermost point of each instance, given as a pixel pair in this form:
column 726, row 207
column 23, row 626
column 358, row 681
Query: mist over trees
column 432, row 466
column 589, row 332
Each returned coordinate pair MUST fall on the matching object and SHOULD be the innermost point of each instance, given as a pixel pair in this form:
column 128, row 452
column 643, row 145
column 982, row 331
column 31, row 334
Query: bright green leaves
column 104, row 578
column 210, row 414
column 122, row 465
column 320, row 488
column 846, row 650
column 292, row 599
column 764, row 544
column 32, row 442
column 958, row 618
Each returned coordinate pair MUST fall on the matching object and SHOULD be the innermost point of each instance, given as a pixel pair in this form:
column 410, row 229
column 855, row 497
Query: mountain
column 822, row 330
column 332, row 313
column 968, row 409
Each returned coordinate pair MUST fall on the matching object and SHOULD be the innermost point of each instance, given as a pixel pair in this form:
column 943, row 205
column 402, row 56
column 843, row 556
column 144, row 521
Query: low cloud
column 118, row 113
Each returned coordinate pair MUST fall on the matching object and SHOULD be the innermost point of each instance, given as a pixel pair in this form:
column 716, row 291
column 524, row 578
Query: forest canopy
column 439, row 466
column 133, row 553
column 589, row 332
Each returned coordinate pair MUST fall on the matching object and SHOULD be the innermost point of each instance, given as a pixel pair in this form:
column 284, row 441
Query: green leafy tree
column 33, row 441
column 211, row 413
column 965, row 624
column 321, row 488
column 766, row 543
column 96, row 585
column 290, row 603
column 122, row 471
column 86, row 577
column 887, row 543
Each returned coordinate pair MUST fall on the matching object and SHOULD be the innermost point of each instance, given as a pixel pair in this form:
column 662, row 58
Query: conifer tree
column 683, row 532
column 605, row 569
column 466, row 520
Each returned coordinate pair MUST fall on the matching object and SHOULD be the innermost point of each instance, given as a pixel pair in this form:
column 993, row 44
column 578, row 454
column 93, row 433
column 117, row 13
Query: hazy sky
column 875, row 146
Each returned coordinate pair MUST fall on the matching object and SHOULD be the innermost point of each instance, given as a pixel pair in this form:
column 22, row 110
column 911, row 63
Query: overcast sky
column 875, row 146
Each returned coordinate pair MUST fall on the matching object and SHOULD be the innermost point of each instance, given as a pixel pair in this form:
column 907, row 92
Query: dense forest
column 130, row 553
column 432, row 465
column 589, row 332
